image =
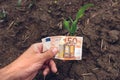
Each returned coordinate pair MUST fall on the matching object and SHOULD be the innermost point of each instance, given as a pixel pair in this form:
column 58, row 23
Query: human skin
column 27, row 65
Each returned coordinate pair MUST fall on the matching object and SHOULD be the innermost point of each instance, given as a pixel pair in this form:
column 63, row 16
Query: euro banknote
column 69, row 47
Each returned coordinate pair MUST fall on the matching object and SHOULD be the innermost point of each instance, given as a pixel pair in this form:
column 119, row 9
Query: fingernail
column 55, row 50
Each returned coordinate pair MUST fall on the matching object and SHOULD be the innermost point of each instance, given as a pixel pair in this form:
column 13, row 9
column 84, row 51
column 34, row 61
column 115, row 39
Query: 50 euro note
column 70, row 47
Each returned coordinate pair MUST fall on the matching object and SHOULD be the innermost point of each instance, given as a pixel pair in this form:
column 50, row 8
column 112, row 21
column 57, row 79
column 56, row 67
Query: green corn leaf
column 19, row 3
column 71, row 19
column 3, row 14
column 82, row 10
column 66, row 25
column 32, row 4
column 73, row 28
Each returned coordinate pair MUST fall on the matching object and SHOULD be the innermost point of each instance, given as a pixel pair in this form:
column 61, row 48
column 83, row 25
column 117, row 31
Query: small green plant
column 32, row 3
column 3, row 14
column 19, row 3
column 71, row 25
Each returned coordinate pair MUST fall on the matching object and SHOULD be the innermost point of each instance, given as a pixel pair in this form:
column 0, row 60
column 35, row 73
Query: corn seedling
column 71, row 25
column 3, row 14
column 32, row 4
column 19, row 3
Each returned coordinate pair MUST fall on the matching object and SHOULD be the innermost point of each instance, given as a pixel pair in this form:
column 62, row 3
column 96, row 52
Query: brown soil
column 100, row 28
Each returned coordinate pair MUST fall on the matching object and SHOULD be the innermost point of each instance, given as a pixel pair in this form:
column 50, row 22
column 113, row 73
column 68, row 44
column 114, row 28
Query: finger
column 46, row 71
column 38, row 47
column 53, row 66
column 49, row 54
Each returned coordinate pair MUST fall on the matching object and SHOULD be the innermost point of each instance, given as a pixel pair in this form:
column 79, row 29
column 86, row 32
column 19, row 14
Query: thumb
column 49, row 54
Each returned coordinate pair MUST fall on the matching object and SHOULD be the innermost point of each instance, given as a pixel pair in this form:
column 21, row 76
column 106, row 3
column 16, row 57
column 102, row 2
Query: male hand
column 27, row 65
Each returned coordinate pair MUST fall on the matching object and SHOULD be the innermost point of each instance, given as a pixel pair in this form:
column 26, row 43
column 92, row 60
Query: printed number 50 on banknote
column 70, row 47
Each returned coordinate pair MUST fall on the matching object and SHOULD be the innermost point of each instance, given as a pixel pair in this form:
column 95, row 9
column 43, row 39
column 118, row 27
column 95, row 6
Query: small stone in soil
column 113, row 36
